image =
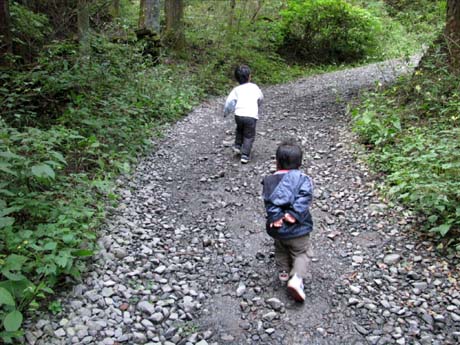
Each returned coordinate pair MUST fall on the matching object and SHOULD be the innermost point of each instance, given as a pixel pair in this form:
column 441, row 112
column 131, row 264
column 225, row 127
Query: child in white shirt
column 244, row 100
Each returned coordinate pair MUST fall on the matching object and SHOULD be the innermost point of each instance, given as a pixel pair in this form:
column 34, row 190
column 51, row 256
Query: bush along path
column 185, row 259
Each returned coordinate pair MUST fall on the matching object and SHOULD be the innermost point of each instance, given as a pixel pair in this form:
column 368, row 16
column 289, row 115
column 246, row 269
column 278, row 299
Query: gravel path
column 185, row 259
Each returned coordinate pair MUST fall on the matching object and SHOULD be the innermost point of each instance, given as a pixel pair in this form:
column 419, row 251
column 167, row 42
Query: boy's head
column 288, row 156
column 242, row 74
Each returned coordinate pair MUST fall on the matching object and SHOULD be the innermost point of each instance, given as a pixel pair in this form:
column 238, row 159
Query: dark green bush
column 424, row 18
column 325, row 31
column 29, row 31
column 414, row 131
column 65, row 131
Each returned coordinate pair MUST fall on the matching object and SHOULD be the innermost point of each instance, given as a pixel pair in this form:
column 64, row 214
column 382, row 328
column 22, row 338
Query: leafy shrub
column 56, row 164
column 413, row 128
column 424, row 18
column 376, row 125
column 29, row 30
column 325, row 31
column 216, row 47
column 47, row 220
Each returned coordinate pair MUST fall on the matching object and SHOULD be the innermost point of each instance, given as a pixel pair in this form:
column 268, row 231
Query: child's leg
column 298, row 248
column 282, row 257
column 239, row 131
column 249, row 135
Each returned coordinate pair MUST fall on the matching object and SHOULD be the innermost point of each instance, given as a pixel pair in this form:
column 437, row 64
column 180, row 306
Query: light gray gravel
column 185, row 260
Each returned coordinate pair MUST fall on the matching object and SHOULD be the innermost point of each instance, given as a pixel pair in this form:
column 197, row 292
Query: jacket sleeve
column 273, row 212
column 301, row 205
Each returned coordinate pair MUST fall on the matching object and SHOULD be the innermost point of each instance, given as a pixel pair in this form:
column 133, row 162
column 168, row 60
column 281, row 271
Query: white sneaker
column 295, row 287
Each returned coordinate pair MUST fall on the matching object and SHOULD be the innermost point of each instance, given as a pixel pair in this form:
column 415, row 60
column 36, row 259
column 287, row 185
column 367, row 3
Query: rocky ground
column 185, row 260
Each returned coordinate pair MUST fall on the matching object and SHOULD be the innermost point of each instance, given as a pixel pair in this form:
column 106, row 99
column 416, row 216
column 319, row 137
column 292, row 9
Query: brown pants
column 291, row 255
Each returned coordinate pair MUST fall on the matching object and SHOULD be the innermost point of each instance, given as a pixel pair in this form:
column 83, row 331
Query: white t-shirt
column 244, row 100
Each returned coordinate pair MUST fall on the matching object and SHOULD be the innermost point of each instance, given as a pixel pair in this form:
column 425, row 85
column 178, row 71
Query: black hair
column 289, row 156
column 242, row 74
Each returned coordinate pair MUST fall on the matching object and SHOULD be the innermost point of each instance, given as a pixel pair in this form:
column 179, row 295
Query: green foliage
column 55, row 307
column 413, row 128
column 56, row 162
column 217, row 46
column 325, row 31
column 29, row 29
column 375, row 128
column 424, row 18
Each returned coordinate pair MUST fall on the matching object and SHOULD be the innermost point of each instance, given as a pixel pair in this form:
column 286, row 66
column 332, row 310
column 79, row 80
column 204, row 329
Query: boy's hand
column 277, row 224
column 290, row 219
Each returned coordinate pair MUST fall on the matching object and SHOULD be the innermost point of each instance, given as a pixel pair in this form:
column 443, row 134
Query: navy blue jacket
column 290, row 192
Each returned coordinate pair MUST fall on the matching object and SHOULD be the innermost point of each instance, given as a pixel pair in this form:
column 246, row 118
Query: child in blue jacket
column 288, row 194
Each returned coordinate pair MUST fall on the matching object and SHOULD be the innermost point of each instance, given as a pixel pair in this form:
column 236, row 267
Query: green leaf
column 68, row 238
column 13, row 276
column 16, row 288
column 50, row 246
column 9, row 210
column 61, row 261
column 43, row 171
column 14, row 262
column 82, row 252
column 47, row 290
column 58, row 156
column 433, row 218
column 5, row 167
column 13, row 321
column 6, row 192
column 9, row 155
column 443, row 229
column 6, row 298
column 6, row 221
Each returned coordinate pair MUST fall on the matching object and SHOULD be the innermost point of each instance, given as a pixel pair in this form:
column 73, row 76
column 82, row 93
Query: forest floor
column 185, row 258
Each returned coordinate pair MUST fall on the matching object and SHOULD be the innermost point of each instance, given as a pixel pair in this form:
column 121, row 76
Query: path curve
column 185, row 259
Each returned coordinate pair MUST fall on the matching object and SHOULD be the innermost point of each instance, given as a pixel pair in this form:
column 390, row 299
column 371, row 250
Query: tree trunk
column 83, row 21
column 256, row 13
column 115, row 8
column 149, row 27
column 174, row 10
column 453, row 32
column 232, row 13
column 6, row 43
column 149, row 16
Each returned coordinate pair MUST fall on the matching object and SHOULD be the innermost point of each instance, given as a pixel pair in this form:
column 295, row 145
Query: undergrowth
column 68, row 126
column 413, row 133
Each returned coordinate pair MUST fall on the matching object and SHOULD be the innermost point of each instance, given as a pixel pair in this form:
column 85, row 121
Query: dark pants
column 245, row 133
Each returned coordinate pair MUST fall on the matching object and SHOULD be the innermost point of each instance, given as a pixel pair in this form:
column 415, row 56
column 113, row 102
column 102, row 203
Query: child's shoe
column 236, row 149
column 244, row 159
column 295, row 287
column 283, row 276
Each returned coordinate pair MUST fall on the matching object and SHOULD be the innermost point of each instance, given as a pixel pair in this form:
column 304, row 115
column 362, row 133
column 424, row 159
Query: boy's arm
column 274, row 213
column 302, row 201
column 260, row 101
column 230, row 103
column 229, row 107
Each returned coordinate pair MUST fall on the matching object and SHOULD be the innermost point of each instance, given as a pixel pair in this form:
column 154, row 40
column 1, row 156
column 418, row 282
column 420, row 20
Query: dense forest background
column 85, row 84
